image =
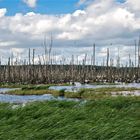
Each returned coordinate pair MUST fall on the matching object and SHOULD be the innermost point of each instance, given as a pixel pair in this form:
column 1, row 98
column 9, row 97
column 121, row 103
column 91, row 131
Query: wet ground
column 29, row 98
column 78, row 86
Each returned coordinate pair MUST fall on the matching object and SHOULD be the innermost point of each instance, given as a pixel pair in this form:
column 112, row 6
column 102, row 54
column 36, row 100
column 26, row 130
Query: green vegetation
column 11, row 85
column 101, row 117
column 113, row 118
column 36, row 87
column 32, row 92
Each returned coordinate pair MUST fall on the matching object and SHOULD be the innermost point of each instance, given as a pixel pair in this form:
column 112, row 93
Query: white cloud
column 3, row 12
column 133, row 4
column 7, row 43
column 30, row 3
column 102, row 22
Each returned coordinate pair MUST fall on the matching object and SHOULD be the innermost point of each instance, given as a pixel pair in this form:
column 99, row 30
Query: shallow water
column 78, row 86
column 3, row 90
column 31, row 98
column 28, row 98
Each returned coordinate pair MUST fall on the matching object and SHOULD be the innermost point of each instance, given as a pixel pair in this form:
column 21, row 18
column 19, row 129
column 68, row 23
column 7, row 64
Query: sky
column 39, row 6
column 75, row 25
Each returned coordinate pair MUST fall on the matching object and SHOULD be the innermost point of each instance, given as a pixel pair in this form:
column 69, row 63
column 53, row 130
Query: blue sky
column 43, row 6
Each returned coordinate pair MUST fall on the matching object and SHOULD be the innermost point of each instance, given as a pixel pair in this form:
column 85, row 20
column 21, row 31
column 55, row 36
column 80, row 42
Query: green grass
column 33, row 92
column 112, row 118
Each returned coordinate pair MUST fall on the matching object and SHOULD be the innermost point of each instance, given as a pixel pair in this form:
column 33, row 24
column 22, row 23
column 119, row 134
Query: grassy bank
column 27, row 86
column 97, row 93
column 33, row 92
column 104, row 119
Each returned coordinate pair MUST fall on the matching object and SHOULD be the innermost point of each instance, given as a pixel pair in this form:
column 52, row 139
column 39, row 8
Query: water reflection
column 28, row 98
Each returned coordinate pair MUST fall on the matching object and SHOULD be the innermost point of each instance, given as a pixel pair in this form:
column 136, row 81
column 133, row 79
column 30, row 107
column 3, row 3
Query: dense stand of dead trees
column 50, row 72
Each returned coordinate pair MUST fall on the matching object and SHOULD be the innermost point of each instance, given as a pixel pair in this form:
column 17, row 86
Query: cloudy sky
column 75, row 25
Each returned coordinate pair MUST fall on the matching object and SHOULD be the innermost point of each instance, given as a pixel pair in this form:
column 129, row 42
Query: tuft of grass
column 62, row 92
column 104, row 119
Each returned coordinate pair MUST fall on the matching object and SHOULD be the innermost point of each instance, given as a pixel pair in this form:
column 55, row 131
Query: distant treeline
column 38, row 74
column 49, row 71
